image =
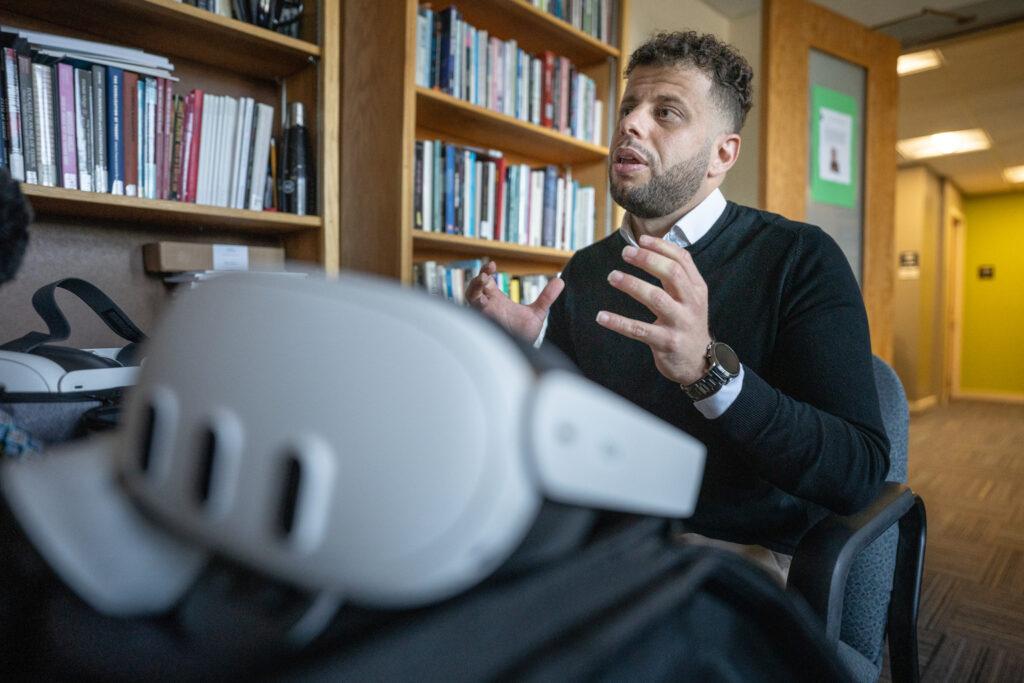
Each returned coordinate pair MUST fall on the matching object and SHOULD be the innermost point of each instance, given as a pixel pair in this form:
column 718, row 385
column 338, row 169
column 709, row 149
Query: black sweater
column 805, row 433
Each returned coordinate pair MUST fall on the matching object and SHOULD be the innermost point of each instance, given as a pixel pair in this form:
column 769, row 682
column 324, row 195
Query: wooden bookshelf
column 174, row 29
column 56, row 201
column 385, row 113
column 449, row 115
column 222, row 56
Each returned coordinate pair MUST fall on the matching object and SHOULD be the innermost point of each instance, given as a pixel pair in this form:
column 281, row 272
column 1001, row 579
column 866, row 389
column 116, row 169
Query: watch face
column 727, row 358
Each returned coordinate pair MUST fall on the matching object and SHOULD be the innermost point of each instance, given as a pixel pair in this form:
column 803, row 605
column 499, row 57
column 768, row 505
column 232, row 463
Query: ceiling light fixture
column 916, row 62
column 944, row 144
column 1014, row 174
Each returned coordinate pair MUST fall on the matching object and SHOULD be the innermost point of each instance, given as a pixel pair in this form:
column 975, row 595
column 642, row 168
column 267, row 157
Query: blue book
column 471, row 217
column 547, row 234
column 437, row 203
column 512, row 202
column 449, row 189
column 115, row 133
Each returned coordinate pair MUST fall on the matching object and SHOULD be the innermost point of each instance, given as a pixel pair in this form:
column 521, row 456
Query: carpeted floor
column 967, row 462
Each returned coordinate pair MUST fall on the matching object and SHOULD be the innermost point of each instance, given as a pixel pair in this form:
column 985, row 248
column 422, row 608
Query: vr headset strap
column 57, row 325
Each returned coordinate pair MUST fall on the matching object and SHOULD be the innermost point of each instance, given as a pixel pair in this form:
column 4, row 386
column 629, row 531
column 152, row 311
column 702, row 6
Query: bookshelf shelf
column 175, row 29
column 457, row 244
column 534, row 29
column 446, row 114
column 57, row 201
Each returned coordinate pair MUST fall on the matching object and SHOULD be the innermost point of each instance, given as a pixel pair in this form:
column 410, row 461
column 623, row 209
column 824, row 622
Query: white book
column 236, row 152
column 242, row 176
column 523, row 86
column 423, row 32
column 427, row 199
column 261, row 153
column 41, row 41
column 492, row 185
column 229, row 129
column 42, row 96
column 559, row 214
column 478, row 174
column 206, row 134
column 150, row 148
column 524, row 203
column 536, row 67
column 511, row 51
column 484, row 53
column 537, row 209
column 215, row 150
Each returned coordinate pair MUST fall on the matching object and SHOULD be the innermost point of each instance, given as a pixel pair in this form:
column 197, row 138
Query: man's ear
column 724, row 152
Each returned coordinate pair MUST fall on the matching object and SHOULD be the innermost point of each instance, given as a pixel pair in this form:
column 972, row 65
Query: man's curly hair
column 15, row 217
column 730, row 74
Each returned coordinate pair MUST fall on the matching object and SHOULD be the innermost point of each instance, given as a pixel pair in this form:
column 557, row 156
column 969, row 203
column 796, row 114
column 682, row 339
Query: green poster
column 834, row 124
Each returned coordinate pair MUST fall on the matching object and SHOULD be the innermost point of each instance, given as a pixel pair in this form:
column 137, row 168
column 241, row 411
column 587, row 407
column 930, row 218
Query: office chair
column 862, row 573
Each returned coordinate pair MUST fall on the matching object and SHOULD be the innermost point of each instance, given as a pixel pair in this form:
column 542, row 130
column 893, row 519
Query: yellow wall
column 992, row 346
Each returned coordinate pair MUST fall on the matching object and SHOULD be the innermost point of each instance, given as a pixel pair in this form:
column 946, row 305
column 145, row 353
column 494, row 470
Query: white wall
column 647, row 17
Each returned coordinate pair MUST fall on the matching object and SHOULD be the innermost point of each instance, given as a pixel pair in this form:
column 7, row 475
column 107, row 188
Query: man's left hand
column 679, row 336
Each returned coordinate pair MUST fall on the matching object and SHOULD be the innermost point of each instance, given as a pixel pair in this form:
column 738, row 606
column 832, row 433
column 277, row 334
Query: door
column 829, row 141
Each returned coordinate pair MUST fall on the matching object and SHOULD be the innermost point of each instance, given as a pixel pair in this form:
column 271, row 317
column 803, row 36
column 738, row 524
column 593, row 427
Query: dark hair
column 730, row 74
column 15, row 216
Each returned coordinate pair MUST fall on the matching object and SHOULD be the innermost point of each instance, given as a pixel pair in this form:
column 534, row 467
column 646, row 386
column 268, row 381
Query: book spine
column 140, row 136
column 549, row 206
column 151, row 139
column 46, row 156
column 197, row 132
column 83, row 128
column 449, row 189
column 177, row 147
column 12, row 97
column 115, row 129
column 547, row 109
column 428, row 186
column 66, row 110
column 417, row 200
column 99, row 122
column 168, row 138
column 499, row 200
column 130, row 132
column 158, row 137
column 437, row 203
column 28, row 117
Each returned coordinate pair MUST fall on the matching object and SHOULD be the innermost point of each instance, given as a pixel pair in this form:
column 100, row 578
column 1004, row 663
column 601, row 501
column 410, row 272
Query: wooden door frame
column 954, row 242
column 791, row 29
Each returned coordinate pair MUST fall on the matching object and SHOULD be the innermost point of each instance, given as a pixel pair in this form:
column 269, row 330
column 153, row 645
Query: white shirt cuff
column 715, row 405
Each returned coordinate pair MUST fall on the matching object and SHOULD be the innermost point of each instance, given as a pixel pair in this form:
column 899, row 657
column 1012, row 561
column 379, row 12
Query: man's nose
column 633, row 124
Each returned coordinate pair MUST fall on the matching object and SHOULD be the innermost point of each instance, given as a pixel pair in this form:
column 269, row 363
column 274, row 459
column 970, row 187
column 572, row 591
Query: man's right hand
column 521, row 320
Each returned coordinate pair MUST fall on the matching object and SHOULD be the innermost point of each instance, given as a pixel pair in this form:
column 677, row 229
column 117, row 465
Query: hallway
column 967, row 462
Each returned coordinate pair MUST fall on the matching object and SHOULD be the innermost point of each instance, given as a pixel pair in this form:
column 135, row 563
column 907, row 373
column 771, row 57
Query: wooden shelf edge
column 599, row 46
column 529, row 138
column 57, row 201
column 482, row 247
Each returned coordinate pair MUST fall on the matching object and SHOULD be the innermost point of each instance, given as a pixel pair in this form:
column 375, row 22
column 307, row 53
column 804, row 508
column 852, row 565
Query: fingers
column 483, row 284
column 656, row 299
column 652, row 335
column 548, row 295
column 676, row 253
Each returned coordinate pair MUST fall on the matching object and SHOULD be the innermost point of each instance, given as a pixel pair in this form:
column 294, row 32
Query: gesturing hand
column 679, row 336
column 524, row 321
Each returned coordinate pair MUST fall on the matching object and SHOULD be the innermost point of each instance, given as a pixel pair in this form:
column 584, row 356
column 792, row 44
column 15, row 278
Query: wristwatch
column 723, row 367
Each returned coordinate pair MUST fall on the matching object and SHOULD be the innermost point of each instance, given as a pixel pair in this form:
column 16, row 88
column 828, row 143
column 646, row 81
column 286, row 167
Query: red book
column 197, row 132
column 130, row 99
column 499, row 200
column 547, row 95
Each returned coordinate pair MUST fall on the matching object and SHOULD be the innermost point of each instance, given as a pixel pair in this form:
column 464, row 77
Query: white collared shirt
column 685, row 232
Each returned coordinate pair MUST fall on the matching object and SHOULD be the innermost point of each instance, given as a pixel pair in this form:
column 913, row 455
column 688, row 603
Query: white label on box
column 230, row 257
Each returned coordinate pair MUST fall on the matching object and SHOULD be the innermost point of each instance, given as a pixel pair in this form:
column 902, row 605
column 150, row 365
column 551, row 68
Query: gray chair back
column 866, row 602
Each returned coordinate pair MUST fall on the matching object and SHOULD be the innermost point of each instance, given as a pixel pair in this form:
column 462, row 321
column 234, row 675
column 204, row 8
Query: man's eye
column 666, row 113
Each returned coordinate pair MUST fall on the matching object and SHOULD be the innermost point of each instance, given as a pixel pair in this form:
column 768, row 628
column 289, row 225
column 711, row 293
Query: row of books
column 476, row 193
column 278, row 15
column 75, row 118
column 598, row 18
column 449, row 280
column 465, row 62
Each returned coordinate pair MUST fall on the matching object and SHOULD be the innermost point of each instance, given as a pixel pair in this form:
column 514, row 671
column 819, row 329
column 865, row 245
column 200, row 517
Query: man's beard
column 663, row 194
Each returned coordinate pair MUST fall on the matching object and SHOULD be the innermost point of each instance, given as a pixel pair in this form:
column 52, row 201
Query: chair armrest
column 822, row 562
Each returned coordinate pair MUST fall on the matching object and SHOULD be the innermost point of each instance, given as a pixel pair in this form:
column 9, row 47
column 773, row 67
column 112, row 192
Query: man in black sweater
column 740, row 327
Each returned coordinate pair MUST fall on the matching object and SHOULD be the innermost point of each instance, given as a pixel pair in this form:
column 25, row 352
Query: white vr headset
column 351, row 438
column 33, row 367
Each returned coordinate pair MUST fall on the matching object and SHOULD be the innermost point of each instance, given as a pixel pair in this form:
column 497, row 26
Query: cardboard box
column 177, row 257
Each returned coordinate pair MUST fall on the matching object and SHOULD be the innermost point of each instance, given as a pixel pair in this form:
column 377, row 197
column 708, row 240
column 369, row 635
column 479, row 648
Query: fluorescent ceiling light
column 915, row 62
column 943, row 144
column 1014, row 174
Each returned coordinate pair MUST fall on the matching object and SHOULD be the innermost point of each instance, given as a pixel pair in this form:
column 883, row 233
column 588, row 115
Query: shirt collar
column 690, row 227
